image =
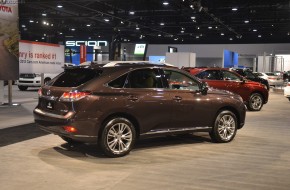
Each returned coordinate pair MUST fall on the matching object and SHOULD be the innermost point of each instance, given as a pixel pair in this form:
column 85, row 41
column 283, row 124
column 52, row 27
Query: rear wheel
column 22, row 88
column 118, row 137
column 225, row 127
column 255, row 102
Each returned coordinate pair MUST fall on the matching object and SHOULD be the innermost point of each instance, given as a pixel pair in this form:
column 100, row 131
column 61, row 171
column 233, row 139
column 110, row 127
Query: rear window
column 75, row 77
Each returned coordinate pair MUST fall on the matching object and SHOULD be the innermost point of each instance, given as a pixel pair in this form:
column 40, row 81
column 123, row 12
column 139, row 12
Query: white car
column 273, row 80
column 33, row 80
column 287, row 91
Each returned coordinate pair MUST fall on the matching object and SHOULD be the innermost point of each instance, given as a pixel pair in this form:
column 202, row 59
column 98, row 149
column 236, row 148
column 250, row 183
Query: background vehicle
column 115, row 105
column 248, row 74
column 287, row 91
column 273, row 80
column 32, row 80
column 254, row 94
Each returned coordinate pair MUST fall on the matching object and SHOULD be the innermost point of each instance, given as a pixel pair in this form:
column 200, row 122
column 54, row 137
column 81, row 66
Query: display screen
column 140, row 49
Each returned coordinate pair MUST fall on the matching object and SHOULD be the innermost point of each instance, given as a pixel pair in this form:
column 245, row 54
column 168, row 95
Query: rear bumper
column 86, row 130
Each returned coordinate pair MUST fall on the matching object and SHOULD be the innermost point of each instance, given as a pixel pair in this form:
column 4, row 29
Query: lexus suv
column 254, row 94
column 114, row 105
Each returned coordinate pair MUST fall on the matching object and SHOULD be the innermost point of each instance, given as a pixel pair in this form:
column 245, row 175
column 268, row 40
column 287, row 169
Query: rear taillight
column 73, row 96
column 288, row 84
column 39, row 92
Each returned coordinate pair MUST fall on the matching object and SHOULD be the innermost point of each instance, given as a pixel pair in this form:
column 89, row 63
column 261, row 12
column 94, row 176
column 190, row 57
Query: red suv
column 254, row 94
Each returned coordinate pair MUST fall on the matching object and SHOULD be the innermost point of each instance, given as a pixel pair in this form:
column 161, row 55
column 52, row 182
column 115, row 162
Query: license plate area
column 49, row 105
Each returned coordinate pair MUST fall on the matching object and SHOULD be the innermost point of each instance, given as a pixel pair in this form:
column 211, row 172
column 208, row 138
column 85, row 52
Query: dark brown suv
column 115, row 105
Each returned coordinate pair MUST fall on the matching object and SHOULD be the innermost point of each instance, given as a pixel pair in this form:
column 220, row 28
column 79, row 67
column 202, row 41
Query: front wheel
column 118, row 137
column 255, row 102
column 225, row 127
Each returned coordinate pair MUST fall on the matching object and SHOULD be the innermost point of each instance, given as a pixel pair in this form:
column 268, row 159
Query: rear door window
column 75, row 77
column 144, row 78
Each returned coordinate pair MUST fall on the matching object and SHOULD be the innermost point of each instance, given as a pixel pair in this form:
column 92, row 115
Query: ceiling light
column 137, row 28
column 222, row 34
column 246, row 21
column 59, row 6
column 44, row 22
column 210, row 27
column 131, row 12
column 43, row 14
column 234, row 9
column 231, row 39
column 159, row 35
column 73, row 29
column 193, row 17
column 88, row 25
column 259, row 36
column 162, row 23
column 31, row 21
column 182, row 31
column 255, row 30
column 197, row 37
column 23, row 26
column 122, row 22
column 165, row 3
column 198, row 28
column 60, row 33
column 51, row 25
column 106, row 20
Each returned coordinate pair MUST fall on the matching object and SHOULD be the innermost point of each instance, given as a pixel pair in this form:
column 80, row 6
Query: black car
column 248, row 74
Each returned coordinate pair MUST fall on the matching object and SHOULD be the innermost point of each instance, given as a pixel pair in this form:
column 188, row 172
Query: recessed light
column 210, row 27
column 73, row 29
column 246, row 21
column 88, row 25
column 193, row 17
column 31, row 21
column 23, row 26
column 137, row 28
column 131, row 12
column 222, row 34
column 162, row 23
column 231, row 39
column 44, row 14
column 106, row 20
column 234, row 9
column 255, row 30
column 159, row 35
column 59, row 6
column 165, row 3
column 182, row 31
column 259, row 36
column 197, row 37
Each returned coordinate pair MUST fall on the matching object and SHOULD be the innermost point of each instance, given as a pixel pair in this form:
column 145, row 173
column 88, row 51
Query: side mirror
column 204, row 88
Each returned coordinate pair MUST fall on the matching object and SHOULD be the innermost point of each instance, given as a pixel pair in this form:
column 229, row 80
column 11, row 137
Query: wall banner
column 9, row 36
column 40, row 57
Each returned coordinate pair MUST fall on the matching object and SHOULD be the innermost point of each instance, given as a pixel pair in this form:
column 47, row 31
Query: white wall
column 216, row 50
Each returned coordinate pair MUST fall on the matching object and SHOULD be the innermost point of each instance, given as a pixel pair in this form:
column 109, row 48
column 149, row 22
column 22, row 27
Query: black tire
column 289, row 99
column 118, row 137
column 255, row 102
column 225, row 127
column 22, row 88
column 69, row 140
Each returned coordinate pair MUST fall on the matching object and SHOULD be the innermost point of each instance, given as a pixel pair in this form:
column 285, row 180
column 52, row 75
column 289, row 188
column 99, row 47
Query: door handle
column 133, row 98
column 177, row 98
